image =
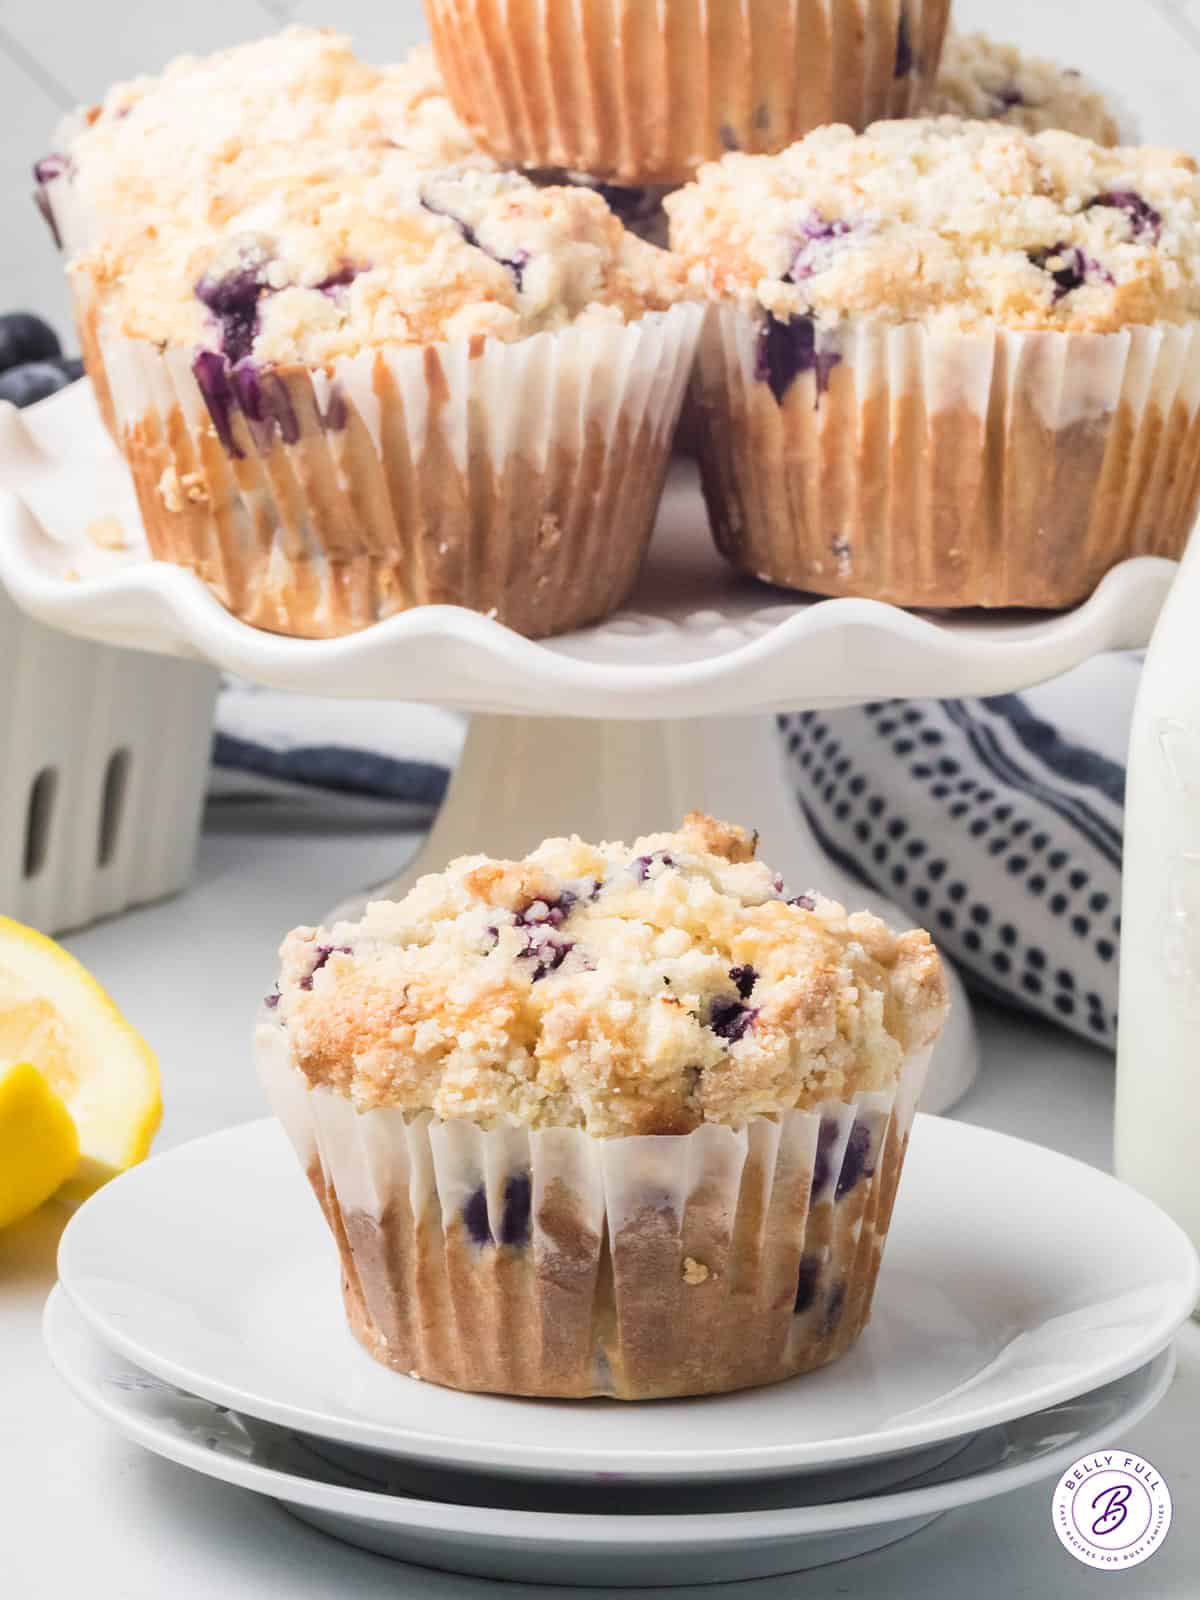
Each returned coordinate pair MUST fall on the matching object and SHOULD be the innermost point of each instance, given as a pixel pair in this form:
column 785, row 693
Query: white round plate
column 694, row 640
column 1015, row 1278
column 560, row 1534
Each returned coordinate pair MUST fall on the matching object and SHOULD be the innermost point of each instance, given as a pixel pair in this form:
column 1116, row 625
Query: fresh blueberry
column 24, row 337
column 33, row 381
column 475, row 1216
column 856, row 1163
column 744, row 979
column 786, row 349
column 516, row 1219
column 1144, row 220
column 729, row 1018
column 806, row 1283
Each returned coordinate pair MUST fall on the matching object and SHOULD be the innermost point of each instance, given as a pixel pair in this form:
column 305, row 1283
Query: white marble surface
column 55, row 54
column 82, row 1512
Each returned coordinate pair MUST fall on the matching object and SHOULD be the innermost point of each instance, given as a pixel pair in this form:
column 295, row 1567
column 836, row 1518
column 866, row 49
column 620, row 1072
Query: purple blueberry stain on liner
column 475, row 1217
column 827, row 1137
column 856, row 1163
column 1145, row 222
column 906, row 61
column 834, row 1307
column 788, row 349
column 729, row 139
column 517, row 1216
column 211, row 371
column 336, row 414
column 806, row 1284
column 266, row 405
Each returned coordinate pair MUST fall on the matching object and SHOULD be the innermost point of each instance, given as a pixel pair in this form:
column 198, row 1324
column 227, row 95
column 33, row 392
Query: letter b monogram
column 1113, row 1504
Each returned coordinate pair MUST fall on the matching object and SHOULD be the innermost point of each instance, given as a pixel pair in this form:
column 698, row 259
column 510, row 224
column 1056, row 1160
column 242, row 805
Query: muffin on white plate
column 611, row 1120
column 983, row 79
column 948, row 363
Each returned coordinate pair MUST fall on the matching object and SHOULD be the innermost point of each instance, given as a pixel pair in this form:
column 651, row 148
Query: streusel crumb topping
column 982, row 78
column 323, row 257
column 958, row 225
column 191, row 135
column 622, row 989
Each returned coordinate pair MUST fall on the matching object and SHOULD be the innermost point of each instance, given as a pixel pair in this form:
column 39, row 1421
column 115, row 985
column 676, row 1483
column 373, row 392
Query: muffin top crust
column 187, row 137
column 327, row 254
column 620, row 989
column 958, row 225
column 981, row 78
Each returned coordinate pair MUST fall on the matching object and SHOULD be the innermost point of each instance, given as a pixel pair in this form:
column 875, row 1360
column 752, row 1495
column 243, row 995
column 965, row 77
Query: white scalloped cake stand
column 610, row 732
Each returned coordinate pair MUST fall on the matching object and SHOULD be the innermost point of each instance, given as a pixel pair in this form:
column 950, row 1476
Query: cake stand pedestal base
column 523, row 779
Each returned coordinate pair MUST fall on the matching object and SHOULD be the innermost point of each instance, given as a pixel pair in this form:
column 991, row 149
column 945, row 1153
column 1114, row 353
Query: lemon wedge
column 54, row 1014
column 39, row 1147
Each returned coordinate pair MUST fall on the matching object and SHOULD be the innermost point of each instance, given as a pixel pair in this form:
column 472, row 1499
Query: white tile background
column 56, row 53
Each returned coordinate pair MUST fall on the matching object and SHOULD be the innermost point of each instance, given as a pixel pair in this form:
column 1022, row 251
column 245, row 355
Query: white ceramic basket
column 105, row 753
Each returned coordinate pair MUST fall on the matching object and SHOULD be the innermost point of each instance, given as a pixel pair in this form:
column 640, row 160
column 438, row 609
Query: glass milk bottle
column 1158, row 1053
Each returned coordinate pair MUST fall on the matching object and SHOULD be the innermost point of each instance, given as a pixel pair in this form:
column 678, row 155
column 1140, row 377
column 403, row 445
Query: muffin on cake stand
column 610, row 732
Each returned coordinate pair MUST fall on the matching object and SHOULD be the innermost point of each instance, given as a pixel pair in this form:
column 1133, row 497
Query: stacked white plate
column 1024, row 1318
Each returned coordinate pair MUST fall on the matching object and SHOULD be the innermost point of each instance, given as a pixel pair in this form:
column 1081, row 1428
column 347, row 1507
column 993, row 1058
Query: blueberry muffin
column 632, row 1101
column 980, row 78
column 949, row 363
column 373, row 385
column 638, row 93
column 185, row 140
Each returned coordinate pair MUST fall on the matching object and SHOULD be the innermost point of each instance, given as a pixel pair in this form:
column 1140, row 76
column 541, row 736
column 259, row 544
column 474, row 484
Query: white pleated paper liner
column 521, row 480
column 928, row 469
column 646, row 93
column 548, row 1262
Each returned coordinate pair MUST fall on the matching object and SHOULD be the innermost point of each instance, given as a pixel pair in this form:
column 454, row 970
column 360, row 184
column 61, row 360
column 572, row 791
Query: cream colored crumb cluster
column 985, row 79
column 188, row 137
column 622, row 989
column 959, row 225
